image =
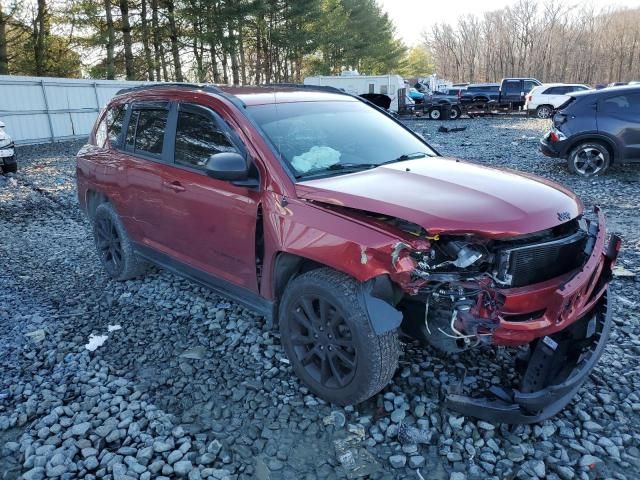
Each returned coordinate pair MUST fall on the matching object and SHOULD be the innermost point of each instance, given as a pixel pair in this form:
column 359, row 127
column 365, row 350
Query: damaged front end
column 546, row 290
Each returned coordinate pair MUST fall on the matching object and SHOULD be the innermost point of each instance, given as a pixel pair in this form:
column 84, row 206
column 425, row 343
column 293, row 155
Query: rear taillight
column 553, row 137
column 559, row 119
column 529, row 97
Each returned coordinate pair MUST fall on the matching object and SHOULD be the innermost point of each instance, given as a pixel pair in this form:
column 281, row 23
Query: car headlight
column 5, row 142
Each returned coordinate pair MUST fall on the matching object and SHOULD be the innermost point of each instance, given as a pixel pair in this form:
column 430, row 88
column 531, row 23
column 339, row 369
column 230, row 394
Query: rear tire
column 11, row 168
column 544, row 111
column 327, row 336
column 435, row 114
column 114, row 245
column 589, row 159
column 455, row 113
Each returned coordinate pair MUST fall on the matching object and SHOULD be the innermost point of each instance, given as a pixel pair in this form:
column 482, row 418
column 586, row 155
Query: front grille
column 527, row 264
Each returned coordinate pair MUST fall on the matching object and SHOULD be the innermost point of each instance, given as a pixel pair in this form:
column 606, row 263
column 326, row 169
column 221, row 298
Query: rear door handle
column 175, row 186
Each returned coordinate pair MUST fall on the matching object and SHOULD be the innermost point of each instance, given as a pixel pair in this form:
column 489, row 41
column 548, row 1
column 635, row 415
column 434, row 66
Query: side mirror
column 229, row 166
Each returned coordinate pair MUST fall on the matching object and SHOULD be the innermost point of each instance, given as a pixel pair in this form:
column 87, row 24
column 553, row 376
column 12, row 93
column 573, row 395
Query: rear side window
column 146, row 130
column 110, row 128
column 621, row 104
column 115, row 119
column 198, row 136
column 555, row 91
column 528, row 85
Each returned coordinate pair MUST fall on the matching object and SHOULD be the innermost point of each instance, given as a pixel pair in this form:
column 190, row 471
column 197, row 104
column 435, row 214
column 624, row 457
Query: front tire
column 114, row 245
column 455, row 113
column 589, row 159
column 327, row 336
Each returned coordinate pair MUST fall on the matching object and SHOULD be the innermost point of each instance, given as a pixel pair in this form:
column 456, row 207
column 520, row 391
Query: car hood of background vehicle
column 448, row 195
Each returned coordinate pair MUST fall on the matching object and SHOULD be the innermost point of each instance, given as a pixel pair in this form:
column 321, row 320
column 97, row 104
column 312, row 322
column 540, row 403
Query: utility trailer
column 355, row 84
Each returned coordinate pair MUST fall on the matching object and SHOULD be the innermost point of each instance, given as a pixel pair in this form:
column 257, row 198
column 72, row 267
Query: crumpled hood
column 448, row 195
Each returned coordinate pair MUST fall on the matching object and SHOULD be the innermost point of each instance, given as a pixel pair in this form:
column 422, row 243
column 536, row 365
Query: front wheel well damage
column 379, row 294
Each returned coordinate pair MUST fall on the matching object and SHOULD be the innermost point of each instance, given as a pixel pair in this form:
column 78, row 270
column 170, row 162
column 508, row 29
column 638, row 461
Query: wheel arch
column 93, row 198
column 378, row 294
column 595, row 138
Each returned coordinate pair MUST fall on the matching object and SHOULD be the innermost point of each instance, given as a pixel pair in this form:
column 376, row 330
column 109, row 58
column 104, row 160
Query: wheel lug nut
column 321, row 347
column 330, row 348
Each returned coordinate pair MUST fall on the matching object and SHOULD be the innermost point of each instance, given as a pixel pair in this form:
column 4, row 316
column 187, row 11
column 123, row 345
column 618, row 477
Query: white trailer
column 360, row 84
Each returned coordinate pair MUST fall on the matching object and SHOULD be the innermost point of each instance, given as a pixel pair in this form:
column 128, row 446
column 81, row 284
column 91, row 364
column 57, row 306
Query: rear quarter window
column 110, row 128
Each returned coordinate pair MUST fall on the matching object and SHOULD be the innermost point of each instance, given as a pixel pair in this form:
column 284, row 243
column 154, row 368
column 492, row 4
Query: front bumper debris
column 566, row 342
column 505, row 405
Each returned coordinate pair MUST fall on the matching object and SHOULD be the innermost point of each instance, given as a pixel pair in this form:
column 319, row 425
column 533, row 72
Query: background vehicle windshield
column 313, row 136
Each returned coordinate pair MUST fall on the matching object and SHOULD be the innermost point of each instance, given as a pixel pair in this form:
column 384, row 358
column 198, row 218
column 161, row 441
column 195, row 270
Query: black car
column 596, row 128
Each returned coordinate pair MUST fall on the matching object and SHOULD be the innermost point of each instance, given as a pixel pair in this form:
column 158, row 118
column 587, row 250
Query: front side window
column 198, row 136
column 319, row 138
column 149, row 132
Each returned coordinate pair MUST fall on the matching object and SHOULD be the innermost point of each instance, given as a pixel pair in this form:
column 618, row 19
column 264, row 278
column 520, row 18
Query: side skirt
column 241, row 295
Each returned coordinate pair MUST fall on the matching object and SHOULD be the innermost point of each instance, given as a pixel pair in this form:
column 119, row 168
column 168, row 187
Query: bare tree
column 550, row 41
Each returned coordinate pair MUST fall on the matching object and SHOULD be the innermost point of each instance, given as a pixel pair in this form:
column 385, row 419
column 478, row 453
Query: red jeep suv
column 345, row 229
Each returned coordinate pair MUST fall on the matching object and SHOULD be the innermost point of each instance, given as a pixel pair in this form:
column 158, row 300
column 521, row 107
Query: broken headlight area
column 455, row 307
column 456, row 303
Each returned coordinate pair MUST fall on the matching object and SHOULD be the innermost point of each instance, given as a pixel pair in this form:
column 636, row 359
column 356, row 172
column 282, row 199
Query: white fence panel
column 37, row 110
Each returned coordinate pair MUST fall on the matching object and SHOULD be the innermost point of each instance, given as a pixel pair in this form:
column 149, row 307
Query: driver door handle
column 175, row 186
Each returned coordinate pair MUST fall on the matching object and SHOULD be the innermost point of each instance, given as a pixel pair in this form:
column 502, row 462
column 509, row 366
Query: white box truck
column 360, row 84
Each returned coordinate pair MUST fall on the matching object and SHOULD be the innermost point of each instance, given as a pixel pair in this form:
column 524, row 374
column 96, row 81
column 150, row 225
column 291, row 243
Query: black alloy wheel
column 109, row 245
column 114, row 246
column 322, row 341
column 328, row 337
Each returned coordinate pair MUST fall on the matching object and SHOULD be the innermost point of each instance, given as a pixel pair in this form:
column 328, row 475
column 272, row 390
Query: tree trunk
column 214, row 61
column 155, row 28
column 40, row 32
column 145, row 40
column 4, row 58
column 233, row 53
column 258, row 55
column 173, row 37
column 126, row 39
column 111, row 40
column 243, row 66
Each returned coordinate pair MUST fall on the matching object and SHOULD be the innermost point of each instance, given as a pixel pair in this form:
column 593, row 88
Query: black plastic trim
column 246, row 298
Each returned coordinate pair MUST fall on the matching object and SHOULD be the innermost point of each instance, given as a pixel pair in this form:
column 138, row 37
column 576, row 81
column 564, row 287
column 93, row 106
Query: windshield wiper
column 406, row 156
column 355, row 167
column 342, row 167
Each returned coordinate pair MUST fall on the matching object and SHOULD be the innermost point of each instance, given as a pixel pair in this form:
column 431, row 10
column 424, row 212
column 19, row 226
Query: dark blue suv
column 596, row 128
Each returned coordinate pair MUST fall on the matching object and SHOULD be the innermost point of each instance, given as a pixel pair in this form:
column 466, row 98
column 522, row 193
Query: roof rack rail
column 148, row 86
column 206, row 87
column 303, row 86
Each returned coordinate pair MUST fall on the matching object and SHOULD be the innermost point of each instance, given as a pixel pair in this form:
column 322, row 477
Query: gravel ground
column 190, row 385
